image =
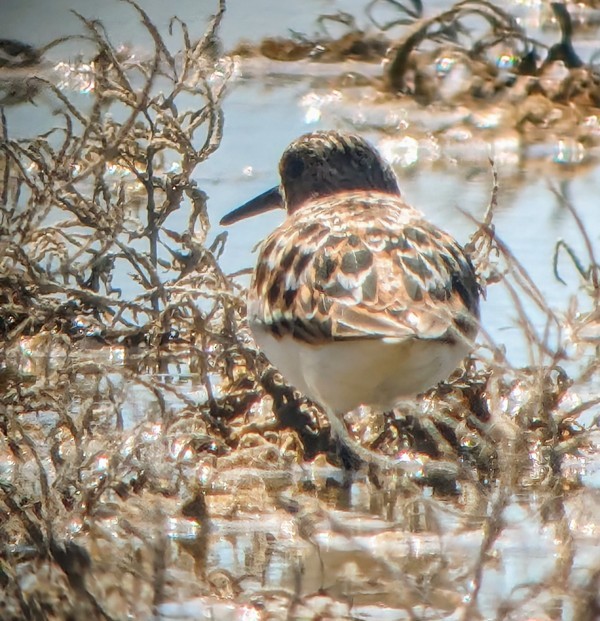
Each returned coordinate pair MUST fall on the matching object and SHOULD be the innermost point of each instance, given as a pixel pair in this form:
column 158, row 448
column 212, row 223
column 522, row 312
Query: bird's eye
column 294, row 167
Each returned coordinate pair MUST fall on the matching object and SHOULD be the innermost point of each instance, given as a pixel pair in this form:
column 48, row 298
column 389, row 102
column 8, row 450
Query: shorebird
column 356, row 298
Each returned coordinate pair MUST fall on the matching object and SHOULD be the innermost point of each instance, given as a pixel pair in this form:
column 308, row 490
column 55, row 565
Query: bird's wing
column 370, row 268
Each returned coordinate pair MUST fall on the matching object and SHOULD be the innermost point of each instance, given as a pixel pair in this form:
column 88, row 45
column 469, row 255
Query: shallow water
column 269, row 104
column 356, row 535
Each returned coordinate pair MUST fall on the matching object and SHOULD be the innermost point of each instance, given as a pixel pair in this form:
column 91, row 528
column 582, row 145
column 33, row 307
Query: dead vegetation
column 151, row 464
column 474, row 57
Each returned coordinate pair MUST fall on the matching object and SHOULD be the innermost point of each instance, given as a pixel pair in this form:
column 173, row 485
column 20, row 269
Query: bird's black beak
column 271, row 199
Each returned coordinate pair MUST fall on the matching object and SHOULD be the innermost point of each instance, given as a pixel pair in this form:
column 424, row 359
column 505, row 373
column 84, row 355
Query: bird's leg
column 371, row 458
column 440, row 473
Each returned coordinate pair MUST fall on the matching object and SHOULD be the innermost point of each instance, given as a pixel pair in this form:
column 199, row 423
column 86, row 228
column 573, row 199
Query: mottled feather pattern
column 356, row 298
column 363, row 264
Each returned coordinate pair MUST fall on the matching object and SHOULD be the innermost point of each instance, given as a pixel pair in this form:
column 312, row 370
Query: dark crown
column 324, row 163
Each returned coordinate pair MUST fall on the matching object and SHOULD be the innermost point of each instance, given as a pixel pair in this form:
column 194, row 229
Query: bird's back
column 358, row 300
column 362, row 265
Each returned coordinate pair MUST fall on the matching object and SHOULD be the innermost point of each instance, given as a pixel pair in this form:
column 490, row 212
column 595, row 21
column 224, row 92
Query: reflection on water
column 261, row 533
column 441, row 160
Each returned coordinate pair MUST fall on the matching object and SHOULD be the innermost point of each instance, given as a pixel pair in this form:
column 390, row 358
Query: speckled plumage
column 356, row 298
column 360, row 265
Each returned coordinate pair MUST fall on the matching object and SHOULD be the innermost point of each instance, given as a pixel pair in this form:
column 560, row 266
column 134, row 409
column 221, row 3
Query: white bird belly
column 341, row 375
